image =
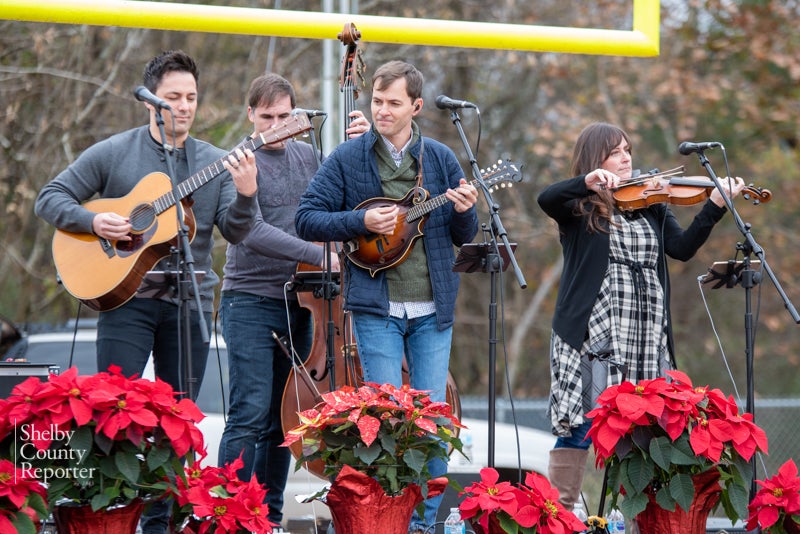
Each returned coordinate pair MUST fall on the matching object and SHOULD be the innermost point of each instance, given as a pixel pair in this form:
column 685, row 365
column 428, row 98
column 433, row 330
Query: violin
column 668, row 187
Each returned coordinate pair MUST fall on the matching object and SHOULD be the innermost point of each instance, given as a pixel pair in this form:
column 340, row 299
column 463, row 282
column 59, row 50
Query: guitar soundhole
column 142, row 218
column 143, row 226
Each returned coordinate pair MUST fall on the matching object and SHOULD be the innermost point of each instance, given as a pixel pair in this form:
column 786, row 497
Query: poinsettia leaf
column 623, row 447
column 82, row 439
column 613, row 472
column 743, row 469
column 508, row 524
column 367, row 454
column 104, row 443
column 157, row 457
column 681, row 488
column 129, row 465
column 640, row 472
column 739, row 498
column 682, row 453
column 625, row 480
column 101, row 500
column 23, row 524
column 36, row 502
column 665, row 500
column 642, row 436
column 633, row 505
column 389, row 444
column 661, row 452
column 415, row 460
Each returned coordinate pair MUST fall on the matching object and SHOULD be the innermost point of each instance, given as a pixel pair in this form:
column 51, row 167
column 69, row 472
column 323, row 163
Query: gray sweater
column 111, row 168
column 267, row 258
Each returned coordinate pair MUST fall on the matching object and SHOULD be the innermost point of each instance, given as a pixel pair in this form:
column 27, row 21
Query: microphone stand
column 329, row 289
column 494, row 264
column 750, row 278
column 187, row 279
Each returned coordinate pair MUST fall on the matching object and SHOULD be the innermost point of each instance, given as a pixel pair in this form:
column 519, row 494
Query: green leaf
column 738, row 498
column 415, row 460
column 683, row 454
column 661, row 452
column 157, row 457
column 640, row 472
column 101, row 500
column 665, row 500
column 633, row 505
column 681, row 488
column 36, row 502
column 129, row 465
column 23, row 524
column 508, row 525
column 82, row 439
column 368, row 454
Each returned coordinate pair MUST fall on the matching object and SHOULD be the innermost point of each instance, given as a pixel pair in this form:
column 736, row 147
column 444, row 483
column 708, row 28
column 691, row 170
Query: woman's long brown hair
column 593, row 146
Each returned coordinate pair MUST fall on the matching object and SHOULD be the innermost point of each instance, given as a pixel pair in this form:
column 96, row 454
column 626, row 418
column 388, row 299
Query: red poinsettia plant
column 213, row 500
column 529, row 508
column 22, row 500
column 387, row 432
column 653, row 436
column 103, row 439
column 775, row 508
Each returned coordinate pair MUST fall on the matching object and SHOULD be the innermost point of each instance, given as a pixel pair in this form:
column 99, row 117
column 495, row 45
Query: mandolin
column 376, row 252
column 105, row 274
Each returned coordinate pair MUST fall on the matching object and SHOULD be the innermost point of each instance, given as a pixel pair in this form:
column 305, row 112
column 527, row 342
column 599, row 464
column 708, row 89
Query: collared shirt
column 397, row 155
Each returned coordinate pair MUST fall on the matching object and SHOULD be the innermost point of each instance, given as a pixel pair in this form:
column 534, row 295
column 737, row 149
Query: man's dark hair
column 169, row 61
column 268, row 88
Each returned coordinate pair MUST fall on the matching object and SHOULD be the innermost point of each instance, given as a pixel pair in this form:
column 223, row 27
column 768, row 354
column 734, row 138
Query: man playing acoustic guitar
column 112, row 168
column 408, row 308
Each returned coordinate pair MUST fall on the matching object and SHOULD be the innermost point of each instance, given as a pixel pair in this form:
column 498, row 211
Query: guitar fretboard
column 296, row 125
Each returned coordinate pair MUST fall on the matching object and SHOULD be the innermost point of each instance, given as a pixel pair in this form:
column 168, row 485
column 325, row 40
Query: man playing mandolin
column 407, row 309
column 113, row 168
column 255, row 302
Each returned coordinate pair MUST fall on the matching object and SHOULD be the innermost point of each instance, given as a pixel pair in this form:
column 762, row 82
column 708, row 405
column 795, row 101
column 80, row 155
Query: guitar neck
column 294, row 126
column 423, row 208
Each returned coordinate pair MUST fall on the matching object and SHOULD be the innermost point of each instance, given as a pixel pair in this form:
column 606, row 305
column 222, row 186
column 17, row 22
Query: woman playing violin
column 612, row 319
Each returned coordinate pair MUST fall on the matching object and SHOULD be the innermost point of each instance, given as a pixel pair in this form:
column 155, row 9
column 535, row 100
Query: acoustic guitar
column 105, row 274
column 376, row 252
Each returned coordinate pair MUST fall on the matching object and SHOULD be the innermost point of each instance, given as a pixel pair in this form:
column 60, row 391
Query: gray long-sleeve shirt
column 267, row 258
column 111, row 168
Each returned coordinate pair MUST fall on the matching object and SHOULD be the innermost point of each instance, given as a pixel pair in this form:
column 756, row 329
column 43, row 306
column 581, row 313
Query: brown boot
column 565, row 471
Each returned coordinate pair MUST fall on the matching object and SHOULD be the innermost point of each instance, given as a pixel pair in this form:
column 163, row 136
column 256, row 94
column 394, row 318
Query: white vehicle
column 534, row 445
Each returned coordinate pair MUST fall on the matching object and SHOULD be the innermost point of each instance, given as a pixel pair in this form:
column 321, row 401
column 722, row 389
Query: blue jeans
column 578, row 439
column 258, row 371
column 382, row 342
column 127, row 335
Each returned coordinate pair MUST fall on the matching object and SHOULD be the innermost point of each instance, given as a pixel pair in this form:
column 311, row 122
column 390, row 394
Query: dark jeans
column 258, row 370
column 127, row 335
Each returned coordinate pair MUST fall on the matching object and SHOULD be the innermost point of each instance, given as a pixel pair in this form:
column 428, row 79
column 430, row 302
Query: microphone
column 445, row 102
column 687, row 148
column 143, row 94
column 309, row 112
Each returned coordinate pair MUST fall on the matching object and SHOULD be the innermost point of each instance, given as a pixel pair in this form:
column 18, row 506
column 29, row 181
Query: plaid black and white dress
column 627, row 330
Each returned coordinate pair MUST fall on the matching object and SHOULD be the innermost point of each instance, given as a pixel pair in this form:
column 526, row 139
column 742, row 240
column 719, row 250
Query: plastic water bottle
column 454, row 524
column 580, row 513
column 616, row 522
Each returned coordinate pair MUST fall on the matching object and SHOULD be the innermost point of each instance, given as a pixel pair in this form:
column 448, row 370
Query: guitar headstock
column 502, row 174
column 291, row 127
